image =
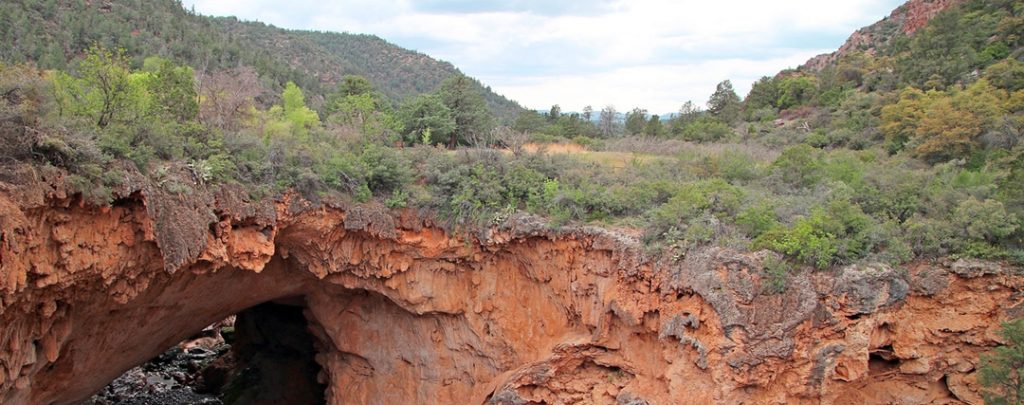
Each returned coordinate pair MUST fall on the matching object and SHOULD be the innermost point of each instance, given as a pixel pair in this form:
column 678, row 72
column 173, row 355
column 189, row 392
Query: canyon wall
column 403, row 311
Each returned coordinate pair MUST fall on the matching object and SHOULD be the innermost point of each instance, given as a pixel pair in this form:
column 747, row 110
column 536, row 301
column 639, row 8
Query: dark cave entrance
column 262, row 355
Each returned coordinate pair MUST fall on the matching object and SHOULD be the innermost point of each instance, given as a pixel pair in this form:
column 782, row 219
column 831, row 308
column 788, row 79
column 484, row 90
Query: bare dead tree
column 511, row 139
column 227, row 95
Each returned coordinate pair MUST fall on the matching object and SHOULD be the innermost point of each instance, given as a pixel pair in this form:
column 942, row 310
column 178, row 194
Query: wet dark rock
column 166, row 380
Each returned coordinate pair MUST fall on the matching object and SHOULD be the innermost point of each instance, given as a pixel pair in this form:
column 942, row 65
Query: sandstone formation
column 403, row 311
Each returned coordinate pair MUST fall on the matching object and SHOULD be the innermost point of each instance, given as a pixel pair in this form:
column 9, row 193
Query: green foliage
column 799, row 166
column 764, row 93
column 1007, row 75
column 983, row 223
column 172, row 88
column 952, row 44
column 807, row 241
column 636, row 120
column 385, row 169
column 426, row 114
column 529, row 121
column 696, row 209
column 1002, row 369
column 794, row 91
column 356, row 105
column 706, row 130
column 300, row 117
column 757, row 219
column 811, row 178
column 653, row 127
column 104, row 90
column 724, row 104
column 53, row 33
column 354, row 85
column 468, row 110
column 836, row 233
column 777, row 273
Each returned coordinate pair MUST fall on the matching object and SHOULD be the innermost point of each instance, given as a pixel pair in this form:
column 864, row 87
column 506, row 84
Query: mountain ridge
column 53, row 34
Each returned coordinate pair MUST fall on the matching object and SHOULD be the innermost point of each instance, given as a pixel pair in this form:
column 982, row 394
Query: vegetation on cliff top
column 900, row 154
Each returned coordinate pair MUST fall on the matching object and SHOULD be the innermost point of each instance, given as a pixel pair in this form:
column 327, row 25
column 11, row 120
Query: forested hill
column 928, row 44
column 52, row 33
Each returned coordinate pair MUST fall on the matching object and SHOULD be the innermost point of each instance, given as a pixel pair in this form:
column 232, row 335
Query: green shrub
column 737, row 167
column 984, row 220
column 837, row 233
column 385, row 169
column 799, row 166
column 776, row 273
column 706, row 130
column 1001, row 371
column 808, row 241
column 757, row 219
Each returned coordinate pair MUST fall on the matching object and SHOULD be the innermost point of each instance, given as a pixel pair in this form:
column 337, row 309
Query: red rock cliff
column 404, row 312
column 905, row 20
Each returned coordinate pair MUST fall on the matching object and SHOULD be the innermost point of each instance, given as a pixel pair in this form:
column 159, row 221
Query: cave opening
column 883, row 360
column 264, row 354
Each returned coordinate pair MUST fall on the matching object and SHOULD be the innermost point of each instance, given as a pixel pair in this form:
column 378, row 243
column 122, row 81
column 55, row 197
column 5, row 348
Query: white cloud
column 658, row 88
column 654, row 53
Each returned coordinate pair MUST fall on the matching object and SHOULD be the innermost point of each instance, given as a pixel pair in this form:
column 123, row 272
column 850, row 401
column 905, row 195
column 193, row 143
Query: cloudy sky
column 654, row 54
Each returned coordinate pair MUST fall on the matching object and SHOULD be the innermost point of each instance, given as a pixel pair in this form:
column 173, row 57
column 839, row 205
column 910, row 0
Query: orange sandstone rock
column 404, row 312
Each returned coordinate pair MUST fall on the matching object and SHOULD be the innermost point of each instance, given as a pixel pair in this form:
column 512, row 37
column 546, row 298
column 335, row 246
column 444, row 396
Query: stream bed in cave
column 264, row 355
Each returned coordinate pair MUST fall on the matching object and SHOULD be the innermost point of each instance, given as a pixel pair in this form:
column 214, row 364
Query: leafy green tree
column 529, row 121
column 1008, row 74
column 104, row 90
column 356, row 104
column 764, row 93
column 706, row 129
column 1010, row 185
column 426, row 114
column 352, row 88
column 636, row 121
column 984, row 220
column 724, row 104
column 295, row 111
column 468, row 110
column 555, row 113
column 172, row 88
column 353, row 85
column 654, row 127
column 1002, row 369
column 794, row 91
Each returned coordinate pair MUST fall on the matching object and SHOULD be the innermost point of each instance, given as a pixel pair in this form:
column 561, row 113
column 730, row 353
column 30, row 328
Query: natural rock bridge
column 401, row 311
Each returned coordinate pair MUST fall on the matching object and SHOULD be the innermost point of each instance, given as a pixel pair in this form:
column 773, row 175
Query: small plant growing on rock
column 776, row 275
column 1002, row 369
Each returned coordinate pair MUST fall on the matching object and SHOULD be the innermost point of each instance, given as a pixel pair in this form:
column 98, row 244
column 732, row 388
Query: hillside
column 850, row 232
column 902, row 22
column 52, row 33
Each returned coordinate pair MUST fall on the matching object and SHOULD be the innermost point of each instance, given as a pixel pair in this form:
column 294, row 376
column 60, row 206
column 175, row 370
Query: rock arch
column 405, row 312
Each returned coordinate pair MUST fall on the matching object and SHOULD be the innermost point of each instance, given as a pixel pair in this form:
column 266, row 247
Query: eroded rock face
column 403, row 312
